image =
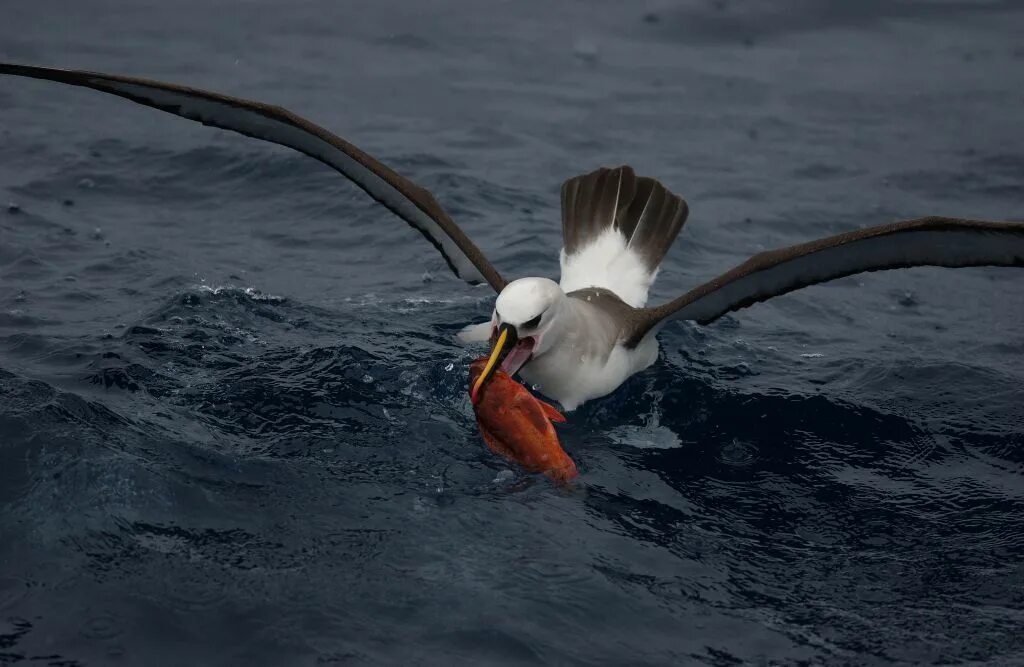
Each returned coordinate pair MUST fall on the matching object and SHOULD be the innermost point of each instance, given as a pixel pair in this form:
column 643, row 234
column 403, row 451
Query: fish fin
column 551, row 413
column 534, row 410
column 495, row 445
column 564, row 473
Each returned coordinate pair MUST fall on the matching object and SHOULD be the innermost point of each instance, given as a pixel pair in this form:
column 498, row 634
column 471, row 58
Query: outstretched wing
column 407, row 200
column 932, row 241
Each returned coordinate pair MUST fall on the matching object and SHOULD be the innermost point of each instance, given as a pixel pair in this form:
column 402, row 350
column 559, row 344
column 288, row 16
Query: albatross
column 581, row 337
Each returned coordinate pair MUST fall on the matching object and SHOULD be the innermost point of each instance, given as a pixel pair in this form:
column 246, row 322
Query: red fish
column 517, row 425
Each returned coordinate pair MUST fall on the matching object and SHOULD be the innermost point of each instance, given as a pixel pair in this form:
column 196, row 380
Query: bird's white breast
column 571, row 375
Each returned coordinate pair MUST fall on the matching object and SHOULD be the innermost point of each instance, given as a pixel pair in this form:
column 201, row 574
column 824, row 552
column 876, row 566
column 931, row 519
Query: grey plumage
column 608, row 303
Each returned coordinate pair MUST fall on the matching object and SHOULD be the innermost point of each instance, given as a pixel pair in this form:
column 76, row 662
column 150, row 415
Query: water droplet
column 101, row 626
column 586, row 50
column 503, row 476
column 738, row 454
column 908, row 299
column 449, row 367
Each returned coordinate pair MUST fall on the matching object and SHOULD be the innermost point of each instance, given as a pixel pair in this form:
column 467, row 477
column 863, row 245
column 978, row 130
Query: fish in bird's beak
column 517, row 425
column 509, row 352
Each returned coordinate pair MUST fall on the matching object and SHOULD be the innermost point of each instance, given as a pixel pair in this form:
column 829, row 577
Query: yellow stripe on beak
column 499, row 345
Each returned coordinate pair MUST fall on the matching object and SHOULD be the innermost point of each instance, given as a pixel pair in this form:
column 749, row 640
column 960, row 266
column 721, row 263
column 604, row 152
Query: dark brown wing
column 932, row 241
column 271, row 123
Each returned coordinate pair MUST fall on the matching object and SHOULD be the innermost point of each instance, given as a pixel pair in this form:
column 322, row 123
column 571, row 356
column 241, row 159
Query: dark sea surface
column 233, row 418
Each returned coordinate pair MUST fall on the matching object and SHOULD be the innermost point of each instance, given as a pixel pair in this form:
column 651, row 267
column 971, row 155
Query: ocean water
column 233, row 418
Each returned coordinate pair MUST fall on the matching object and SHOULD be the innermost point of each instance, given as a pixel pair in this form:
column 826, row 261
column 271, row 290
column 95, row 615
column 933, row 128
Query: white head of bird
column 530, row 305
column 525, row 324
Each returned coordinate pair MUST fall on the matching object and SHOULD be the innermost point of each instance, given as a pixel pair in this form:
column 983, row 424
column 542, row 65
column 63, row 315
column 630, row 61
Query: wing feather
column 930, row 241
column 270, row 123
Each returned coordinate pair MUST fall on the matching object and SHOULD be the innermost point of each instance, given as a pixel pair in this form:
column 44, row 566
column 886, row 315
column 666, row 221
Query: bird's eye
column 534, row 323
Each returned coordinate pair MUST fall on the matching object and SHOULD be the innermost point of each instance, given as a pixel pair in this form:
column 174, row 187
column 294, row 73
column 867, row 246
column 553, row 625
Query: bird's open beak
column 504, row 342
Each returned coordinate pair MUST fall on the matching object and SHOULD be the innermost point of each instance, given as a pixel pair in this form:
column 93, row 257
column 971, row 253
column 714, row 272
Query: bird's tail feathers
column 617, row 227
